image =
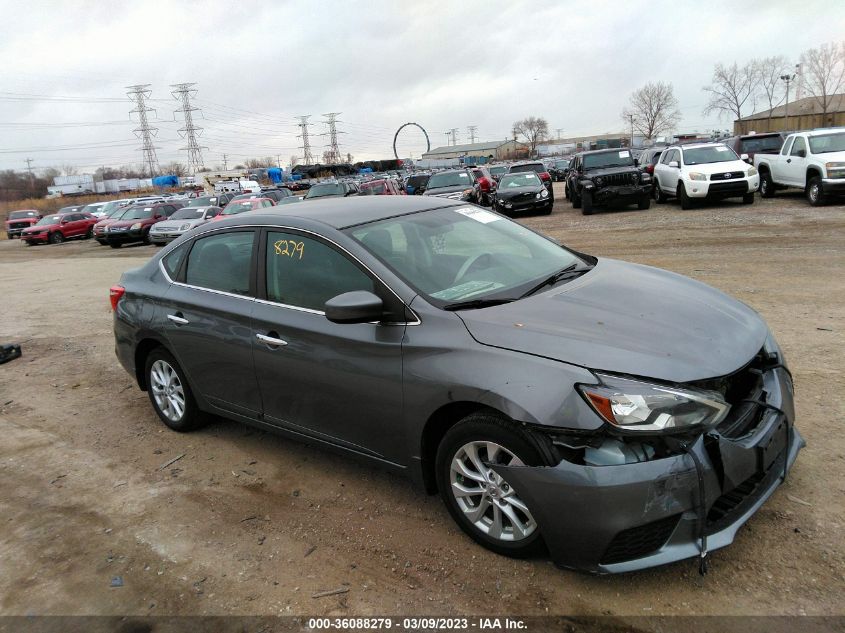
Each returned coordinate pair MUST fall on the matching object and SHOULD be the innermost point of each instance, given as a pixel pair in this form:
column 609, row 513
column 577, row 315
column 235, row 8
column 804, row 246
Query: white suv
column 703, row 170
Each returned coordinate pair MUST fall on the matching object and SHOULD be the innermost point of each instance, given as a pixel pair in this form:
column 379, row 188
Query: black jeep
column 607, row 176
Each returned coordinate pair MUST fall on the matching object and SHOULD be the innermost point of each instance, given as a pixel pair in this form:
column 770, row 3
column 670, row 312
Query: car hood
column 511, row 192
column 38, row 229
column 607, row 171
column 175, row 225
column 121, row 223
column 628, row 319
column 443, row 190
column 718, row 168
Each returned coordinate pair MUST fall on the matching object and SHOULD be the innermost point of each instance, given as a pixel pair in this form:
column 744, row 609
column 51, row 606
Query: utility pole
column 559, row 130
column 139, row 93
column 183, row 93
column 306, row 144
column 471, row 130
column 29, row 169
column 334, row 149
column 224, row 163
column 786, row 79
column 448, row 138
column 631, row 116
column 453, row 132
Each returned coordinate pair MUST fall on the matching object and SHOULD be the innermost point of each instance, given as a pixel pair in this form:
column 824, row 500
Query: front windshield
column 233, row 208
column 93, row 208
column 561, row 164
column 616, row 158
column 204, row 201
column 188, row 214
column 510, row 181
column 463, row 253
column 49, row 219
column 376, row 189
column 327, row 189
column 706, row 155
column 535, row 167
column 449, row 179
column 137, row 213
column 17, row 215
column 498, row 170
column 110, row 208
column 826, row 143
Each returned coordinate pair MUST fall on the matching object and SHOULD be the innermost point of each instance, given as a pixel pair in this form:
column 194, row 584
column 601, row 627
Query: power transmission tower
column 306, row 144
column 559, row 130
column 453, row 133
column 183, row 93
column 224, row 162
column 471, row 131
column 139, row 93
column 334, row 149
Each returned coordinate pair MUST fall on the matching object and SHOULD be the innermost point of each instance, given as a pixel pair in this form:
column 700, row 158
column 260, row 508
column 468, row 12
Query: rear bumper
column 610, row 519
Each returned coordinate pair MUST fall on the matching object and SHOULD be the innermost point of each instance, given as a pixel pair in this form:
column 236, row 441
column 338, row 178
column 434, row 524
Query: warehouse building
column 804, row 114
column 492, row 150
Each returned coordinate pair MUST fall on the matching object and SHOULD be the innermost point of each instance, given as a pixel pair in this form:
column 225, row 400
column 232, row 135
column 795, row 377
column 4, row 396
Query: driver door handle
column 270, row 340
column 178, row 319
column 788, row 160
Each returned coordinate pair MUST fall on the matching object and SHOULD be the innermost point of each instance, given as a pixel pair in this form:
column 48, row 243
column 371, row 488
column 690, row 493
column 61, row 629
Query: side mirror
column 636, row 162
column 802, row 153
column 64, row 221
column 359, row 306
column 674, row 164
column 745, row 158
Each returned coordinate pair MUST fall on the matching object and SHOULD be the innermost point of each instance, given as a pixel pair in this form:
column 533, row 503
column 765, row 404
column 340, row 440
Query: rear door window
column 222, row 262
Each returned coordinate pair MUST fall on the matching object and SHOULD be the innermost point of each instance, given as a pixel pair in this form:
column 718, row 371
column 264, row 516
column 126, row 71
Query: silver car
column 180, row 222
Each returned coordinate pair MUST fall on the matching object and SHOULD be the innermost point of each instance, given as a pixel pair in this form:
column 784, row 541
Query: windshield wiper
column 570, row 272
column 472, row 304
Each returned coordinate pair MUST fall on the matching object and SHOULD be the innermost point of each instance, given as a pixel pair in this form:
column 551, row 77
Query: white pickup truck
column 813, row 161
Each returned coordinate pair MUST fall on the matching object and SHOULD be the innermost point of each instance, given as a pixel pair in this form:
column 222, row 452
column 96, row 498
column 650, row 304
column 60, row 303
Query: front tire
column 170, row 393
column 644, row 203
column 480, row 501
column 587, row 203
column 748, row 198
column 767, row 185
column 56, row 238
column 114, row 245
column 683, row 198
column 815, row 195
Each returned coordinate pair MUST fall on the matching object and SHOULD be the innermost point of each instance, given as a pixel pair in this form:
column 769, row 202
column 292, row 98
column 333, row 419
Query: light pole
column 787, row 79
column 632, row 129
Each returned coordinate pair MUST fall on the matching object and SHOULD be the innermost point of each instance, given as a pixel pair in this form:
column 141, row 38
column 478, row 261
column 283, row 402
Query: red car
column 240, row 206
column 20, row 220
column 134, row 225
column 381, row 187
column 58, row 227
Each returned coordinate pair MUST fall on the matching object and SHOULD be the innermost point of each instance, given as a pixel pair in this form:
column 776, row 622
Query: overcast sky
column 257, row 65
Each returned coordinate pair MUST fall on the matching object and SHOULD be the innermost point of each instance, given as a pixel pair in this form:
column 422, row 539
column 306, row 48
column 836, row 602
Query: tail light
column 544, row 175
column 649, row 169
column 115, row 294
column 484, row 184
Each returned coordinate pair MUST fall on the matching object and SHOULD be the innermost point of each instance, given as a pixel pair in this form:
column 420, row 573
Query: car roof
column 699, row 145
column 341, row 213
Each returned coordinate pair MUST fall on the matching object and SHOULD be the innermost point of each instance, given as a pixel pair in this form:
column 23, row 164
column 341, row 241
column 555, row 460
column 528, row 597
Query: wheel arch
column 813, row 171
column 142, row 350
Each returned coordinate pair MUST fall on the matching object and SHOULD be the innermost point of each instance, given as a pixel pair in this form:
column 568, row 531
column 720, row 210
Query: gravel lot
column 249, row 523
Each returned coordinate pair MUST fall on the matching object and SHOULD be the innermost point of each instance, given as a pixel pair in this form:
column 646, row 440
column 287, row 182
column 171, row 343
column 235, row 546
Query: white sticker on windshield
column 479, row 215
column 625, row 154
column 722, row 149
column 148, row 208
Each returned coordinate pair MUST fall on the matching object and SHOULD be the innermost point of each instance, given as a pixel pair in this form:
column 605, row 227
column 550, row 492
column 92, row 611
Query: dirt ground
column 249, row 523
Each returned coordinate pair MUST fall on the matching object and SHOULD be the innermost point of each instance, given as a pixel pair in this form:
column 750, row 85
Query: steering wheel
column 470, row 263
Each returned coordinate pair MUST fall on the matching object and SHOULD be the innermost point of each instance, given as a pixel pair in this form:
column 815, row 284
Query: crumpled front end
column 629, row 516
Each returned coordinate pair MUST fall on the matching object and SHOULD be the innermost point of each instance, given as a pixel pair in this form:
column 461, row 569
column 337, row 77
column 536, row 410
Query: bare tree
column 293, row 160
column 349, row 158
column 175, row 168
column 533, row 129
column 69, row 170
column 328, row 157
column 258, row 163
column 732, row 88
column 652, row 109
column 824, row 72
column 769, row 73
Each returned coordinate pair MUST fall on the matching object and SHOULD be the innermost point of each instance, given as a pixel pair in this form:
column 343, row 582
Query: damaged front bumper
column 610, row 519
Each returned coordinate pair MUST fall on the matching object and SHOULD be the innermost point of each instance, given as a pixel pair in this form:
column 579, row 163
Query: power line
column 139, row 93
column 306, row 144
column 183, row 92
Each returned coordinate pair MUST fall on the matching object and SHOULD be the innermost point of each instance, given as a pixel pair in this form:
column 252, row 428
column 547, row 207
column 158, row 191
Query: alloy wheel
column 167, row 390
column 485, row 498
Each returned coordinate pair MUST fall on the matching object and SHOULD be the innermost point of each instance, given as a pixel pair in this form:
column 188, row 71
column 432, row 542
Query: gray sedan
column 181, row 222
column 615, row 415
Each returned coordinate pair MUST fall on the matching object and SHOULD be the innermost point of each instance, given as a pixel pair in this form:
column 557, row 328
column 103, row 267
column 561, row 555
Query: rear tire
column 683, row 198
column 576, row 200
column 90, row 233
column 748, row 198
column 767, row 185
column 644, row 203
column 587, row 203
column 461, row 465
column 170, row 393
column 815, row 194
column 113, row 245
column 56, row 238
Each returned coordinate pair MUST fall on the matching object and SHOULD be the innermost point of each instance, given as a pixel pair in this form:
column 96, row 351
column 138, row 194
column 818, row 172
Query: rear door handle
column 177, row 319
column 270, row 340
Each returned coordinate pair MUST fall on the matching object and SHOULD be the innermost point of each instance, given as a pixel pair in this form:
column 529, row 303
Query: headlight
column 544, row 193
column 599, row 181
column 466, row 194
column 752, row 171
column 184, row 227
column 632, row 406
column 508, row 204
column 694, row 175
column 646, row 176
column 838, row 168
column 135, row 226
